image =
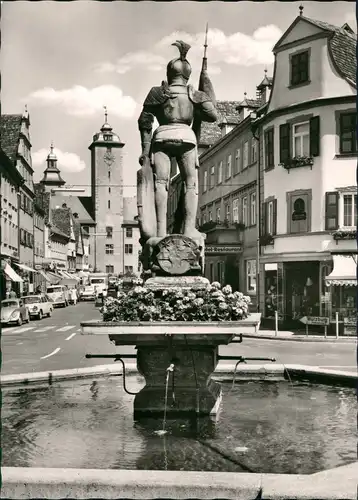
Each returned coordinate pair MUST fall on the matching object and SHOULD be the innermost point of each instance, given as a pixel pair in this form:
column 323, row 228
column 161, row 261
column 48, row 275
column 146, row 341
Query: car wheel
column 40, row 315
column 49, row 313
column 19, row 321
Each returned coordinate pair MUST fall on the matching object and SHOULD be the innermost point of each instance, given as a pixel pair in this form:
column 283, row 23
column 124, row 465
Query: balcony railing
column 297, row 162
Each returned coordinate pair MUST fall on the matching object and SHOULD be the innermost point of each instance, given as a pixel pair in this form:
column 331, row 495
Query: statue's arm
column 145, row 125
column 208, row 111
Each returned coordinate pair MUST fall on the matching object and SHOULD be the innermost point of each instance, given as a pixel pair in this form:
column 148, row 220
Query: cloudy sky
column 66, row 60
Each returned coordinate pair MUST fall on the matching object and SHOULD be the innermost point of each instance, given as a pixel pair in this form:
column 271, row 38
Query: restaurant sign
column 211, row 249
column 315, row 320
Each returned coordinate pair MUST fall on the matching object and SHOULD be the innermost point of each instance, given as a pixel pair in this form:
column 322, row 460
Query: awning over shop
column 63, row 274
column 344, row 271
column 47, row 278
column 25, row 268
column 53, row 277
column 10, row 273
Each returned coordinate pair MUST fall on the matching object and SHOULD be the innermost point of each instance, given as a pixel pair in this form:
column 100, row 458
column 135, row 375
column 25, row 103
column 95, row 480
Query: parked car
column 13, row 311
column 59, row 295
column 88, row 293
column 38, row 306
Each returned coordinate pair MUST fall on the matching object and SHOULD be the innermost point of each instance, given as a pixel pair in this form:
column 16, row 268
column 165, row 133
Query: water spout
column 170, row 370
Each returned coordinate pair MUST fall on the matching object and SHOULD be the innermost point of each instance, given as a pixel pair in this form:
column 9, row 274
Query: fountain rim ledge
column 222, row 373
column 28, row 482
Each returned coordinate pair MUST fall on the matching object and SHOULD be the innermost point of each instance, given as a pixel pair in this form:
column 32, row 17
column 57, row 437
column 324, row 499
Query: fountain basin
column 192, row 347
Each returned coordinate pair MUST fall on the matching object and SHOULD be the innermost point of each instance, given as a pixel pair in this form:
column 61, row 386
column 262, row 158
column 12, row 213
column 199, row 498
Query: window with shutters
column 349, row 202
column 128, row 248
column 244, row 211
column 220, row 173
column 205, row 184
column 253, row 209
column 218, row 214
column 269, row 149
column 237, row 161
column 331, row 210
column 299, row 66
column 301, row 139
column 212, row 177
column 228, row 212
column 235, row 210
column 228, row 167
column 246, row 155
column 348, row 133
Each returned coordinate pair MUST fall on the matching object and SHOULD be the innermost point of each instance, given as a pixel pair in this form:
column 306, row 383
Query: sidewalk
column 297, row 336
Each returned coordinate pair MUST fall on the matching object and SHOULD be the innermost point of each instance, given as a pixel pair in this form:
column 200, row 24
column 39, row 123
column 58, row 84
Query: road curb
column 301, row 338
column 224, row 372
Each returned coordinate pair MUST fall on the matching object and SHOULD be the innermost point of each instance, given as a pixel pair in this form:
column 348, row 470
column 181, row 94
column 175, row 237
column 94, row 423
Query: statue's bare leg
column 189, row 174
column 161, row 176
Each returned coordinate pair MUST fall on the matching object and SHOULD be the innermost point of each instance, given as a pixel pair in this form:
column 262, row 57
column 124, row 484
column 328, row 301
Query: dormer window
column 299, row 68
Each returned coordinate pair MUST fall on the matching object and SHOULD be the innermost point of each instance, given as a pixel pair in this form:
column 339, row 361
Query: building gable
column 300, row 29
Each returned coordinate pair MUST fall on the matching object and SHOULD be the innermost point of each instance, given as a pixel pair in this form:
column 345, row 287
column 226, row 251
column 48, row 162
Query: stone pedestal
column 183, row 282
column 190, row 389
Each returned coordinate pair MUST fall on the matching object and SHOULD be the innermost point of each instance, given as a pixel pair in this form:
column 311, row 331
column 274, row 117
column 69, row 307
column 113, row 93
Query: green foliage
column 175, row 304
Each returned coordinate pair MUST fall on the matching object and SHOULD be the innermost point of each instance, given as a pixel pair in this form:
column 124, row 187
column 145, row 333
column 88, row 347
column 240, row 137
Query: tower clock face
column 109, row 158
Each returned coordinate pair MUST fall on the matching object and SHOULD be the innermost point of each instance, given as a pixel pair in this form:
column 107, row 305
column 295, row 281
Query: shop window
column 128, row 248
column 212, row 177
column 299, row 212
column 129, row 232
column 299, row 65
column 205, row 183
column 220, row 173
column 228, row 167
column 237, row 161
column 235, row 210
column 269, row 149
column 348, row 133
column 246, row 155
column 109, row 249
column 251, row 276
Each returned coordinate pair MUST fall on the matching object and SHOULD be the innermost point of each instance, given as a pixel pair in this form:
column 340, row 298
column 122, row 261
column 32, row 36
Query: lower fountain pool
column 262, row 427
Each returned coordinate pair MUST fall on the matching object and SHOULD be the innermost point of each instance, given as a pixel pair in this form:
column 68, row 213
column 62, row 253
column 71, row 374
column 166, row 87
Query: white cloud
column 351, row 19
column 81, row 101
column 235, row 49
column 67, row 162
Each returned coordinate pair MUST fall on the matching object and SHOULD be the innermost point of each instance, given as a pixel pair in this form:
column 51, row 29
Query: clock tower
column 107, row 199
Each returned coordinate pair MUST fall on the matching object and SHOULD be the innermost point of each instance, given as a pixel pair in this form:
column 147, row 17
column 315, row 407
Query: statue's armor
column 171, row 104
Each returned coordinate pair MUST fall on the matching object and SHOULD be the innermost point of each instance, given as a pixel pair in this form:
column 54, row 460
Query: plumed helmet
column 180, row 66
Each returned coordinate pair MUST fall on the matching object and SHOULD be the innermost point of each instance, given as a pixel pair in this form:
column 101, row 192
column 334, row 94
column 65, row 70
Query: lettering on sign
column 223, row 249
column 317, row 320
column 350, row 321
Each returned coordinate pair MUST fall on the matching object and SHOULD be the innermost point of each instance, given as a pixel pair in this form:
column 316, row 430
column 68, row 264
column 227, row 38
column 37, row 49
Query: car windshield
column 54, row 289
column 32, row 300
column 98, row 280
column 9, row 303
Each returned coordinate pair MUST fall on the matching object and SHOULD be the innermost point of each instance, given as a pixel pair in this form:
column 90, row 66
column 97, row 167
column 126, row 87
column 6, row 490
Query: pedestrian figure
column 12, row 294
column 73, row 293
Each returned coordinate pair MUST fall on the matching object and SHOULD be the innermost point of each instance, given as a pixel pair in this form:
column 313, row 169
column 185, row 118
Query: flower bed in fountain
column 176, row 304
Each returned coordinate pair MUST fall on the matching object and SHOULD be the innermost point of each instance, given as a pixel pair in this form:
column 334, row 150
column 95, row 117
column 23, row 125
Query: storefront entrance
column 302, row 290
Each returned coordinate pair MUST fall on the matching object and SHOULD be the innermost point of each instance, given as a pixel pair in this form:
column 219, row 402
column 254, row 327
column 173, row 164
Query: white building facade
column 308, row 176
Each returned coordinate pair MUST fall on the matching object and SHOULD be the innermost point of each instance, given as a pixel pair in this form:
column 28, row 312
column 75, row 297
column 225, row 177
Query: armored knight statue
column 178, row 108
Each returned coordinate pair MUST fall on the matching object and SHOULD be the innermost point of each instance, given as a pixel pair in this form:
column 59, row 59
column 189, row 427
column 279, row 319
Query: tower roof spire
column 106, row 126
column 52, row 175
column 301, row 9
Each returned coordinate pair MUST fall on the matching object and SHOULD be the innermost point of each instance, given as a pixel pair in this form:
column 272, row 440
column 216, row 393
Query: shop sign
column 315, row 320
column 350, row 321
column 61, row 264
column 222, row 249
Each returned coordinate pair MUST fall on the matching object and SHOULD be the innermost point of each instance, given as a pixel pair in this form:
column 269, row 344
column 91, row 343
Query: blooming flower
column 216, row 284
column 227, row 290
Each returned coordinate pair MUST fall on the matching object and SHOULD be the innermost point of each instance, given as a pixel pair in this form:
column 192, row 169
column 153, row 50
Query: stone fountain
column 188, row 349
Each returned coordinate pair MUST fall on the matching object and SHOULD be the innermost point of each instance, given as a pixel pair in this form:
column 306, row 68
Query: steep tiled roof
column 210, row 132
column 10, row 126
column 88, row 205
column 76, row 206
column 249, row 103
column 61, row 218
column 342, row 45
